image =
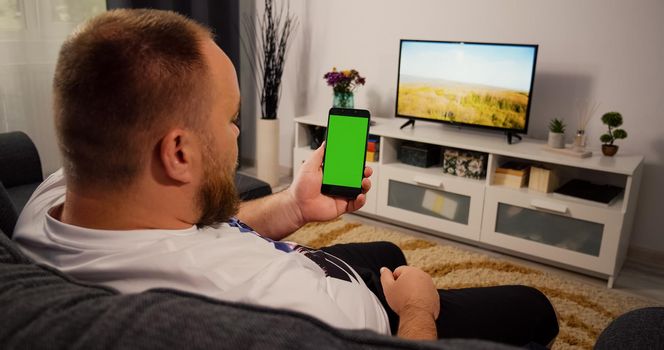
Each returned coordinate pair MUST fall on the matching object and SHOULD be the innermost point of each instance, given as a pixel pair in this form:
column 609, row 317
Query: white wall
column 610, row 51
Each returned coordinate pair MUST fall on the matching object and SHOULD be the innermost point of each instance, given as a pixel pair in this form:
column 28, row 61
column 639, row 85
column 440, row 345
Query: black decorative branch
column 266, row 46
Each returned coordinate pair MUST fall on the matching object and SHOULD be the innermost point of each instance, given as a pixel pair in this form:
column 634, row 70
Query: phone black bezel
column 345, row 191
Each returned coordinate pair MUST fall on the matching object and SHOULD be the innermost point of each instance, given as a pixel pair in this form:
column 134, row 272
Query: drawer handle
column 428, row 181
column 540, row 204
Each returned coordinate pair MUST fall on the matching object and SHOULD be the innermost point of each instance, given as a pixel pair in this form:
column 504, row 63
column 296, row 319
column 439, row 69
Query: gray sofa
column 43, row 308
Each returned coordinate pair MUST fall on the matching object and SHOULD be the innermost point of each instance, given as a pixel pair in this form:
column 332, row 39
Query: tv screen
column 475, row 84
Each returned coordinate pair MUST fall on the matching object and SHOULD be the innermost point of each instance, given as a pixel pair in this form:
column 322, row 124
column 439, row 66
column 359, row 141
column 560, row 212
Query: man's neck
column 124, row 210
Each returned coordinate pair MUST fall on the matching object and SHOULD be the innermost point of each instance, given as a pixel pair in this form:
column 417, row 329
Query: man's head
column 146, row 97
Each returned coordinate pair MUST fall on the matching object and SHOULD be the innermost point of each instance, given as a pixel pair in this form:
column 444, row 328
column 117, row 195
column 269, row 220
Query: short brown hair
column 121, row 80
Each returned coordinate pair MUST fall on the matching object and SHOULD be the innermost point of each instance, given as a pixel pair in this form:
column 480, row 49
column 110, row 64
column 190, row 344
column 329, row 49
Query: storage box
column 464, row 163
column 419, row 154
column 372, row 156
column 512, row 174
column 542, row 179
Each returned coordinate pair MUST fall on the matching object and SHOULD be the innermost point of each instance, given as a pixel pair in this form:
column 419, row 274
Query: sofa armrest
column 19, row 160
column 249, row 188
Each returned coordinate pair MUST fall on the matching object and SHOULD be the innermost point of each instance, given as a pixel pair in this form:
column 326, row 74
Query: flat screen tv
column 487, row 85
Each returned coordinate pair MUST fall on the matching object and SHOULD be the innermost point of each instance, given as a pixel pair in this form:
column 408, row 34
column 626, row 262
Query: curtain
column 31, row 32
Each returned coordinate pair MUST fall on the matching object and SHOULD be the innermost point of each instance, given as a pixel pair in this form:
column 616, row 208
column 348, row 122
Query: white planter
column 556, row 140
column 267, row 150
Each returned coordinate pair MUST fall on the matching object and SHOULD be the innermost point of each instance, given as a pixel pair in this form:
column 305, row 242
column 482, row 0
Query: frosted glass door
column 551, row 229
column 431, row 200
column 439, row 204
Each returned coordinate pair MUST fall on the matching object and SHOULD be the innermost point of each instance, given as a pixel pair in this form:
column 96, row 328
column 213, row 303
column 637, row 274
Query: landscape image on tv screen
column 466, row 83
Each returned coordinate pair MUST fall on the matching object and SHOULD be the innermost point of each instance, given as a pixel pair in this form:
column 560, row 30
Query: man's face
column 217, row 196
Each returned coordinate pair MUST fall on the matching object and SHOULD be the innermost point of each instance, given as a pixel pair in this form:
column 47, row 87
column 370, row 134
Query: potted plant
column 266, row 47
column 613, row 120
column 557, row 133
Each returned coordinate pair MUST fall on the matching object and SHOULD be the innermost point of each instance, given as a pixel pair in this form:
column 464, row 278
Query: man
column 145, row 105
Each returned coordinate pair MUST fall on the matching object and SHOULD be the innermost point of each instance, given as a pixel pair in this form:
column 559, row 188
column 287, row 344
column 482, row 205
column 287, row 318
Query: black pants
column 516, row 315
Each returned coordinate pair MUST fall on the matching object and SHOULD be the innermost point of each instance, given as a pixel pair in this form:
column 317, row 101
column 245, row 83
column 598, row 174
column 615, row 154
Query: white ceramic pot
column 556, row 140
column 267, row 150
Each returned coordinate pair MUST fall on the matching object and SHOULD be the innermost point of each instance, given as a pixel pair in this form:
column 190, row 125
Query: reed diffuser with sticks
column 586, row 109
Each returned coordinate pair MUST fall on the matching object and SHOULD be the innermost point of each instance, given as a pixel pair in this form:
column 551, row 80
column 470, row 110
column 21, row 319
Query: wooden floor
column 632, row 280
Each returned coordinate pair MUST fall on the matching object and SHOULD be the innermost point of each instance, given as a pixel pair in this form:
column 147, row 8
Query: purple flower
column 345, row 80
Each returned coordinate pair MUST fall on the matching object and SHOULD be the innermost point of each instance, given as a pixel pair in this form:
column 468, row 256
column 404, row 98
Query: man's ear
column 176, row 154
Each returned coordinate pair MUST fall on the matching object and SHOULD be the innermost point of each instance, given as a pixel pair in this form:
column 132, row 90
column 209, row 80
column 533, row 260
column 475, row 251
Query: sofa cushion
column 251, row 188
column 40, row 306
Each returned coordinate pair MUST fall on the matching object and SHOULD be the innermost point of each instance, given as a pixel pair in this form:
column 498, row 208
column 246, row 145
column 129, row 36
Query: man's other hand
column 409, row 288
column 315, row 206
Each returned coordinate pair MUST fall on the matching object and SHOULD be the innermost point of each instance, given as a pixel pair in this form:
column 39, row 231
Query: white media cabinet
column 565, row 231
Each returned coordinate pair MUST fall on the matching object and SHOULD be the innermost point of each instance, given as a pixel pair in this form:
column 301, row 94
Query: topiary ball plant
column 613, row 120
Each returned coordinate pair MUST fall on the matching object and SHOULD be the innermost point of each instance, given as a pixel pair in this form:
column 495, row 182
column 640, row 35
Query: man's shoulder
column 49, row 193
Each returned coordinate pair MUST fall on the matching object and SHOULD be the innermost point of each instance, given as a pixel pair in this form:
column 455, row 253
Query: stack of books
column 373, row 145
column 512, row 174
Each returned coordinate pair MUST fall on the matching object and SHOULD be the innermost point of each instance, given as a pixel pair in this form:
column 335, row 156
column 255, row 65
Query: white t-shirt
column 229, row 262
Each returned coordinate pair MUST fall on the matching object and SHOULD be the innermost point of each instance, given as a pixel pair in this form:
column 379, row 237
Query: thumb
column 316, row 159
column 386, row 277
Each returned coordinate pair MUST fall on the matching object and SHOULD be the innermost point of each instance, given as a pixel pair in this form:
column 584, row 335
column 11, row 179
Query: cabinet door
column 581, row 235
column 436, row 202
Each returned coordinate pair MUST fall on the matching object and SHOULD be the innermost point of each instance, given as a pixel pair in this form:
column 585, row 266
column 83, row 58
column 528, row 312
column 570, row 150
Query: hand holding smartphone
column 345, row 152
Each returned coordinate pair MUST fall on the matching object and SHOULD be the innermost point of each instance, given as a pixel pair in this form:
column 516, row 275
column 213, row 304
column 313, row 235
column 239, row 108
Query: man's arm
column 417, row 324
column 274, row 216
column 411, row 294
column 280, row 214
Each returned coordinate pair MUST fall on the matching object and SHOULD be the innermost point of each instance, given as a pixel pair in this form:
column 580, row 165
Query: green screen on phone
column 345, row 151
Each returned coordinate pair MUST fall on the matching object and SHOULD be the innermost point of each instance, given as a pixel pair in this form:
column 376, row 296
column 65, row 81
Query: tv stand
column 561, row 230
column 510, row 135
column 410, row 122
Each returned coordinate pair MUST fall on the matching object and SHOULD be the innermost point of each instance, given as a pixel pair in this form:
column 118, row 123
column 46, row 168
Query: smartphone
column 345, row 152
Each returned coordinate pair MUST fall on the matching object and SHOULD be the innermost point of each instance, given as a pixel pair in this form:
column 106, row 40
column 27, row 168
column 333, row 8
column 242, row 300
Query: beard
column 217, row 197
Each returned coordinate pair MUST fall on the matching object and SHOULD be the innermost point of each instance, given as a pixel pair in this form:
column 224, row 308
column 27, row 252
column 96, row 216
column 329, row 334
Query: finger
column 368, row 171
column 343, row 205
column 315, row 160
column 366, row 185
column 399, row 270
column 386, row 277
column 358, row 202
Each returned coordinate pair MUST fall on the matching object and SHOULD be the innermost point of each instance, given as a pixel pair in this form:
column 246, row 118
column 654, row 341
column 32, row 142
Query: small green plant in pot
column 613, row 120
column 556, row 133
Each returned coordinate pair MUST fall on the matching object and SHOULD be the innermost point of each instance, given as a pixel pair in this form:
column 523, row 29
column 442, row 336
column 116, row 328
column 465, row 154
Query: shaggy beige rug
column 584, row 310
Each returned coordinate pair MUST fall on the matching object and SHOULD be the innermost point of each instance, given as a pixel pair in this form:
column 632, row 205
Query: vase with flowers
column 343, row 84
